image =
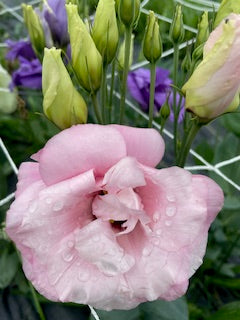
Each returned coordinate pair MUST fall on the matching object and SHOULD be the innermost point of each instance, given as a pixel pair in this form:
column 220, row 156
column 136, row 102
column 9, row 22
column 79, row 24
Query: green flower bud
column 226, row 7
column 128, row 12
column 8, row 98
column 203, row 30
column 177, row 30
column 187, row 61
column 86, row 60
column 198, row 53
column 152, row 45
column 121, row 54
column 62, row 103
column 105, row 30
column 165, row 110
column 35, row 29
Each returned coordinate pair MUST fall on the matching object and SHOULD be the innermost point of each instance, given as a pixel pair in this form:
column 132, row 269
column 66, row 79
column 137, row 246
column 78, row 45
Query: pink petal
column 125, row 174
column 146, row 145
column 78, row 149
column 27, row 175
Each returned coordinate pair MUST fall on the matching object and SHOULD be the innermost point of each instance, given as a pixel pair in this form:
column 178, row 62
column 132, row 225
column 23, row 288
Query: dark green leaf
column 230, row 311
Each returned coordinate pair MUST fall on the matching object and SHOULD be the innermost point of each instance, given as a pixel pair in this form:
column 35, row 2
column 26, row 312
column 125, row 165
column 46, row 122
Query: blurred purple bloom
column 55, row 14
column 139, row 88
column 28, row 75
column 29, row 72
column 21, row 48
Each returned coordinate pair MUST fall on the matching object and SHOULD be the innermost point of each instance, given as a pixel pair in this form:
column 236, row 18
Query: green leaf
column 226, row 282
column 157, row 310
column 164, row 310
column 8, row 266
column 230, row 311
column 231, row 122
column 133, row 314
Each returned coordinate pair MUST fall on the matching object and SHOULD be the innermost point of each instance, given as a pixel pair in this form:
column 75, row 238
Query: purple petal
column 56, row 17
column 21, row 48
column 28, row 75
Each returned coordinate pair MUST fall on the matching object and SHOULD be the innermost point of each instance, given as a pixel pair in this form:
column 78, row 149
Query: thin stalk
column 175, row 107
column 111, row 90
column 128, row 35
column 34, row 294
column 95, row 107
column 187, row 143
column 36, row 302
column 152, row 93
column 103, row 92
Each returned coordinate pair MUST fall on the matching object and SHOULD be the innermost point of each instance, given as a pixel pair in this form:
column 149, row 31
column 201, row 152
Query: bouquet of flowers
column 98, row 219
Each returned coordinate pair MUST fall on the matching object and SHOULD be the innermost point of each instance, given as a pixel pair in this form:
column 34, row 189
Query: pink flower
column 97, row 224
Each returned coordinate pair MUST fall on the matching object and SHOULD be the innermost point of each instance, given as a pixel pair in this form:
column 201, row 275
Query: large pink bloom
column 97, row 224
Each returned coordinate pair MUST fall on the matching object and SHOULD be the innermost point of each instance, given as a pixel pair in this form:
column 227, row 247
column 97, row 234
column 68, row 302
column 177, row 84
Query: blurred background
column 214, row 292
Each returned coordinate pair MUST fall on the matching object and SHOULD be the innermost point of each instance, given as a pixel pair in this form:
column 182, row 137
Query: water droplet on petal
column 170, row 211
column 171, row 198
column 70, row 244
column 156, row 241
column 33, row 207
column 96, row 238
column 48, row 200
column 159, row 232
column 146, row 251
column 83, row 276
column 155, row 216
column 168, row 223
column 57, row 206
column 67, row 255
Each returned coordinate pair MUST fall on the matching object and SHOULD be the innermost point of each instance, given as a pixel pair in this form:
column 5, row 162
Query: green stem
column 175, row 107
column 111, row 90
column 103, row 92
column 128, row 35
column 95, row 106
column 36, row 302
column 152, row 93
column 33, row 292
column 193, row 130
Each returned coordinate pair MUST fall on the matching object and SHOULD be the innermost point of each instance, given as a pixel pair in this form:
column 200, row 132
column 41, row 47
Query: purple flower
column 139, row 88
column 21, row 48
column 54, row 13
column 29, row 72
column 28, row 75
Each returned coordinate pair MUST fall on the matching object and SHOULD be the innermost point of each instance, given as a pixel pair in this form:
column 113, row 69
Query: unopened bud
column 86, row 60
column 62, row 103
column 105, row 30
column 187, row 61
column 8, row 98
column 203, row 30
column 152, row 45
column 165, row 110
column 177, row 30
column 128, row 12
column 121, row 54
column 35, row 29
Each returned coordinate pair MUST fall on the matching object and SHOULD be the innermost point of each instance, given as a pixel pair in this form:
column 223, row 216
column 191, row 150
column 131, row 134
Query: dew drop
column 170, row 211
column 96, row 238
column 168, row 223
column 159, row 232
column 155, row 216
column 83, row 276
column 33, row 207
column 67, row 255
column 57, row 206
column 171, row 198
column 156, row 241
column 146, row 251
column 48, row 200
column 70, row 244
